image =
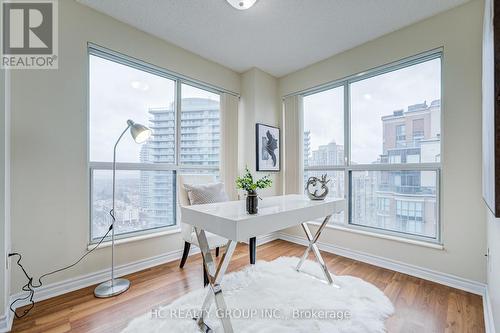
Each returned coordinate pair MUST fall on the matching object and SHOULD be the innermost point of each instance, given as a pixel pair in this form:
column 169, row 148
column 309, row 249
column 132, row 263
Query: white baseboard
column 6, row 321
column 82, row 281
column 267, row 238
column 420, row 272
column 62, row 287
column 488, row 313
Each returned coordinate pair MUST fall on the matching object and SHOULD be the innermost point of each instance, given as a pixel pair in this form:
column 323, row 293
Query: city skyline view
column 370, row 100
column 145, row 199
column 403, row 201
column 395, row 120
column 323, row 155
column 148, row 198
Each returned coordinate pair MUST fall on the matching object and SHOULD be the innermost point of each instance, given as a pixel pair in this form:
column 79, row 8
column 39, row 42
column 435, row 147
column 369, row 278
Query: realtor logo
column 29, row 38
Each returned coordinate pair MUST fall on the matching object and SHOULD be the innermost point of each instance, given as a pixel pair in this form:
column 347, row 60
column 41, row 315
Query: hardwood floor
column 421, row 306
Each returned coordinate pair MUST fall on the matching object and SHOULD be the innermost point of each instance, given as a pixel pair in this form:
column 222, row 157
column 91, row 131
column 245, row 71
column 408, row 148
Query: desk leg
column 215, row 275
column 252, row 247
column 312, row 246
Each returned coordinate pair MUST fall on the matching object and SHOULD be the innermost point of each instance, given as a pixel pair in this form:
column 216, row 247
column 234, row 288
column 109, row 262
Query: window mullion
column 396, row 167
column 347, row 150
column 132, row 166
column 347, row 124
column 178, row 107
column 325, row 168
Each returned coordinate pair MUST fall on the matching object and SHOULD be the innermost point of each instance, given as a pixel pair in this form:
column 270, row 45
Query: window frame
column 176, row 167
column 348, row 167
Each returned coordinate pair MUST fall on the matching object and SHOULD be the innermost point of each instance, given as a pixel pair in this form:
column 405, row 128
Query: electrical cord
column 30, row 287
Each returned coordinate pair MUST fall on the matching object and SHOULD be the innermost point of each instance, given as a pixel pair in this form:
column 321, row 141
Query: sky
column 370, row 100
column 118, row 93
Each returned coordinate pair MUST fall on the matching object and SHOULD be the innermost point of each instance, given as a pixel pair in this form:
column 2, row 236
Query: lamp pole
column 114, row 286
column 112, row 213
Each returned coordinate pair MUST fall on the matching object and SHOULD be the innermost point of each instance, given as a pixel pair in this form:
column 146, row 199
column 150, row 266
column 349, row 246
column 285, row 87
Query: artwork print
column 268, row 147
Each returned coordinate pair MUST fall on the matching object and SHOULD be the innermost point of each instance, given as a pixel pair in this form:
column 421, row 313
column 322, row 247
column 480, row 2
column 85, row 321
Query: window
column 400, row 135
column 390, row 166
column 383, row 205
column 409, row 216
column 324, row 145
column 186, row 138
column 393, row 190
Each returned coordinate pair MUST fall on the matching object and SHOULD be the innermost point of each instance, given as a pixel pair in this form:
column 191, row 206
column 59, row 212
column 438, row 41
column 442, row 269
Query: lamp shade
column 139, row 132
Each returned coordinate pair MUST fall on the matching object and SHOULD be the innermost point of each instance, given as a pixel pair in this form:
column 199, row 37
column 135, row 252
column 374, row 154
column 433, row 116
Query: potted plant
column 247, row 183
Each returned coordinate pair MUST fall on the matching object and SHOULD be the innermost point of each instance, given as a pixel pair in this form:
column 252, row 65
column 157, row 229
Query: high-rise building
column 412, row 136
column 329, row 154
column 199, row 146
column 200, row 132
column 406, row 200
column 157, row 197
column 307, row 147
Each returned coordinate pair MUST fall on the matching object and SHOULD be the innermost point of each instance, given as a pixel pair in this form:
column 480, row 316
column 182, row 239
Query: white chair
column 187, row 231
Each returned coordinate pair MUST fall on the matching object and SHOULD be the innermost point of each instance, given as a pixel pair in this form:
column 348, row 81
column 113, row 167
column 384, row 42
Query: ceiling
column 277, row 36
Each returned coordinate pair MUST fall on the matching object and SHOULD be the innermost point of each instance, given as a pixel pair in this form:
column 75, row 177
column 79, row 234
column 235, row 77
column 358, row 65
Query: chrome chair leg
column 312, row 246
column 215, row 275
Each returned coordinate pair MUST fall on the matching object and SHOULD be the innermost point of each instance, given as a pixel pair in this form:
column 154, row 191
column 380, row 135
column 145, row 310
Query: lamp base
column 111, row 288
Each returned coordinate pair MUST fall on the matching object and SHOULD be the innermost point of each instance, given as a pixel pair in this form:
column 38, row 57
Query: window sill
column 435, row 246
column 137, row 238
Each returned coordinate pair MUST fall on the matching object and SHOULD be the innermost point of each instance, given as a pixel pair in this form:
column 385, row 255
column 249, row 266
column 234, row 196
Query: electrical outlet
column 7, row 260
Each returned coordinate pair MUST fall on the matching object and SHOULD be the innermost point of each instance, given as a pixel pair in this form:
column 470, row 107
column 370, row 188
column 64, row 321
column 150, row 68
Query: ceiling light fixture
column 242, row 4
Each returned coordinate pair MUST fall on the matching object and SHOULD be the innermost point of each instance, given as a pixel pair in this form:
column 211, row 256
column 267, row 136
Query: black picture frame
column 266, row 161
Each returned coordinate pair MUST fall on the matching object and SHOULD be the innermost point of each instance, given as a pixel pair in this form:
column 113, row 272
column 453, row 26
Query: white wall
column 4, row 192
column 459, row 31
column 50, row 205
column 493, row 269
column 259, row 103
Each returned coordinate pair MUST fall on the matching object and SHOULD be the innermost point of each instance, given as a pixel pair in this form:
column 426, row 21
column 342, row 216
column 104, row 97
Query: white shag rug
column 271, row 297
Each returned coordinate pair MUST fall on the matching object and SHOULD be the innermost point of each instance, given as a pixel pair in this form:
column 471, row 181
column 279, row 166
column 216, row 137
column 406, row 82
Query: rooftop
column 413, row 108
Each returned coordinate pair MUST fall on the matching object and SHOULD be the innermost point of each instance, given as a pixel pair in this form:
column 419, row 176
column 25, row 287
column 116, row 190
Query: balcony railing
column 414, row 190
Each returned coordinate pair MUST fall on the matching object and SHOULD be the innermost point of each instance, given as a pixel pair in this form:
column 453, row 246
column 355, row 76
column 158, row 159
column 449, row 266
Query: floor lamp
column 113, row 287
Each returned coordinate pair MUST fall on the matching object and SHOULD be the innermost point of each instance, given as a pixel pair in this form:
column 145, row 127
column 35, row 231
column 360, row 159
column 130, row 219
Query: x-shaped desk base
column 216, row 273
column 312, row 246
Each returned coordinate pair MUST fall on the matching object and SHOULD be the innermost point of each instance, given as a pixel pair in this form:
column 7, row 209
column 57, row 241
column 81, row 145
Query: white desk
column 230, row 220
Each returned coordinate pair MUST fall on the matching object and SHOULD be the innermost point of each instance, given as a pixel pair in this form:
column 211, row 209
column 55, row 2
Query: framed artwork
column 268, row 144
